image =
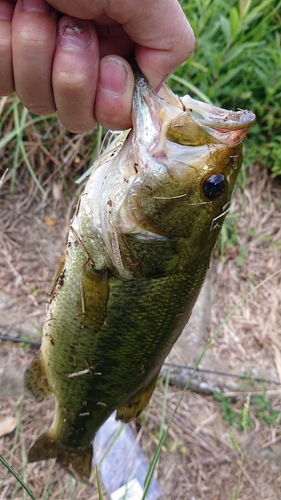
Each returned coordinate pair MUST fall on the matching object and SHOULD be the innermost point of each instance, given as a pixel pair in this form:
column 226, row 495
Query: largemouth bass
column 137, row 253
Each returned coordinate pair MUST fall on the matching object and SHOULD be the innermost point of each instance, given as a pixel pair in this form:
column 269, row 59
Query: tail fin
column 77, row 462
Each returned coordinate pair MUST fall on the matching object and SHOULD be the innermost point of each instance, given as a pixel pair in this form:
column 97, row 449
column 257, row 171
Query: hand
column 69, row 55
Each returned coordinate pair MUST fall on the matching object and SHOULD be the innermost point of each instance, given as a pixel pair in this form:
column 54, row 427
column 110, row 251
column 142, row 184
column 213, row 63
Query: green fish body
column 137, row 254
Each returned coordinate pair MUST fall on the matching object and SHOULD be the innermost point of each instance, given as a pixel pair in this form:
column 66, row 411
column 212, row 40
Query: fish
column 138, row 250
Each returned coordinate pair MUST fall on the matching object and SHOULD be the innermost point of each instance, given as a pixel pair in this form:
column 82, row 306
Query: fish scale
column 138, row 250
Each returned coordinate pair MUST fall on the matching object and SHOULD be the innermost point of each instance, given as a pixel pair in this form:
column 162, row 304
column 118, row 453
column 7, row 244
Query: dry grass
column 254, row 331
column 198, row 459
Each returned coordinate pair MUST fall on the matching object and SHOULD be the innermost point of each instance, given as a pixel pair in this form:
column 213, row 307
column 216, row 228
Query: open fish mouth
column 209, row 114
column 196, row 123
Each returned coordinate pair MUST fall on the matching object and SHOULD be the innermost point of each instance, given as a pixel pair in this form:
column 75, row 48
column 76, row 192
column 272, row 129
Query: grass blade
column 191, row 87
column 30, row 169
column 18, row 478
column 99, row 485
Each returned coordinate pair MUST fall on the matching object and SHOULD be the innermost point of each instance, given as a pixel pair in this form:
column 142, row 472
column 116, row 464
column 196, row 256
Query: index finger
column 164, row 38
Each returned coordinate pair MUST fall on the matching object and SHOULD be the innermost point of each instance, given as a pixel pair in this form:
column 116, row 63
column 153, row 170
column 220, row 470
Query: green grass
column 41, row 146
column 261, row 409
column 18, row 478
column 237, row 64
column 244, row 427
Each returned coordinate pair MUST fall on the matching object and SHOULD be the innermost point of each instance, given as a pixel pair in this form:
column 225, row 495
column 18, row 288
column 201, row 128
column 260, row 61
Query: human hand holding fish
column 70, row 55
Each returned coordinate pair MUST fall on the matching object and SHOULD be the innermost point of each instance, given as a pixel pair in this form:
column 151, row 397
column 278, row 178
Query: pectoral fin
column 58, row 274
column 35, row 379
column 130, row 411
column 94, row 297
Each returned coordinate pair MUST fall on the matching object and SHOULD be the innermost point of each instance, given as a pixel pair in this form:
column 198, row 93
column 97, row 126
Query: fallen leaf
column 49, row 221
column 7, row 425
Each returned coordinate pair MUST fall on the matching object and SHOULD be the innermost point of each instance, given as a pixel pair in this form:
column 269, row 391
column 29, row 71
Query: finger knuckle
column 70, row 83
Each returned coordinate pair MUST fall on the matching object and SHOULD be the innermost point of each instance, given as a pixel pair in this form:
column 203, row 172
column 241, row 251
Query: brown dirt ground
column 199, row 459
column 254, row 330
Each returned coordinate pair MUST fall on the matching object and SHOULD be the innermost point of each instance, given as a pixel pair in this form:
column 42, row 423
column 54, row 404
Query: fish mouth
column 183, row 134
column 222, row 125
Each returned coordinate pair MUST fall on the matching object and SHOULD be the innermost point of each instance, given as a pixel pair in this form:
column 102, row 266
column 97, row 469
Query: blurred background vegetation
column 237, row 64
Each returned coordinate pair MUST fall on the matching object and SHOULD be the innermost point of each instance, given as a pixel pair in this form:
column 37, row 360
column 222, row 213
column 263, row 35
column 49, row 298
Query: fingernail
column 6, row 11
column 37, row 5
column 113, row 77
column 73, row 35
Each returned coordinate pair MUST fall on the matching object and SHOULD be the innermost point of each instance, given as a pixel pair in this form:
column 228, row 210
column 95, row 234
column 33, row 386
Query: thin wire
column 232, row 375
column 6, row 338
column 36, row 343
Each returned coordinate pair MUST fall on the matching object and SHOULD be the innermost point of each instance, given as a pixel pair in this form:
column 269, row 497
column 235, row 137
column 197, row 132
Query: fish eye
column 214, row 186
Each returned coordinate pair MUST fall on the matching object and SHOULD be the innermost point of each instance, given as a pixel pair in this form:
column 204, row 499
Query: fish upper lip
column 244, row 120
column 218, row 118
column 209, row 115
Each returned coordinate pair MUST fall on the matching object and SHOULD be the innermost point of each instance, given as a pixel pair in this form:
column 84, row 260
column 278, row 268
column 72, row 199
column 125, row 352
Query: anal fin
column 35, row 379
column 130, row 411
column 44, row 448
